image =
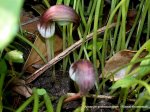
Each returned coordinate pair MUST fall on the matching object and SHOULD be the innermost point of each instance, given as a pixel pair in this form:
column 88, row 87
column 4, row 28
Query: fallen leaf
column 119, row 60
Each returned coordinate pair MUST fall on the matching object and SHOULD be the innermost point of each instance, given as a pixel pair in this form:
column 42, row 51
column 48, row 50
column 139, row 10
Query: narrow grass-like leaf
column 141, row 23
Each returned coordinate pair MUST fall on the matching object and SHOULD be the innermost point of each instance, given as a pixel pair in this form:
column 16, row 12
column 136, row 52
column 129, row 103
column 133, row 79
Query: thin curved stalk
column 148, row 25
column 113, row 4
column 126, row 90
column 98, row 6
column 141, row 23
column 82, row 15
column 143, row 83
column 64, row 47
column 123, row 25
column 47, row 3
column 25, row 104
column 88, row 26
column 89, row 7
column 60, row 102
column 51, row 54
column 83, row 105
column 48, row 49
column 33, row 46
column 119, row 43
column 67, row 2
column 138, row 88
column 116, row 34
column 36, row 101
column 106, row 31
column 48, row 103
column 59, row 1
column 85, row 51
column 135, row 23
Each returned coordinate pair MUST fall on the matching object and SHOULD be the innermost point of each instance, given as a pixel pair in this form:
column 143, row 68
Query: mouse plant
column 83, row 74
column 57, row 14
column 60, row 14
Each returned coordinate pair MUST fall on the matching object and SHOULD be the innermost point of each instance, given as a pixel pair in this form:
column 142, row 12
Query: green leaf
column 14, row 56
column 90, row 46
column 147, row 45
column 124, row 83
column 41, row 91
column 90, row 54
column 99, row 45
column 3, row 67
column 10, row 11
column 144, row 68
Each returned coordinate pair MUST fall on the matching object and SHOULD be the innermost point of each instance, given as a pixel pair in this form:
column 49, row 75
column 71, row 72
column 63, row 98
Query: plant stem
column 26, row 103
column 126, row 90
column 88, row 26
column 36, row 101
column 95, row 38
column 113, row 4
column 59, row 2
column 141, row 23
column 41, row 104
column 148, row 25
column 64, row 47
column 82, row 15
column 101, row 13
column 51, row 39
column 67, row 2
column 60, row 102
column 48, row 48
column 136, row 90
column 47, row 3
column 83, row 104
column 89, row 7
column 143, row 83
column 119, row 43
column 135, row 23
column 85, row 51
column 105, row 35
column 123, row 25
column 48, row 103
column 116, row 34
